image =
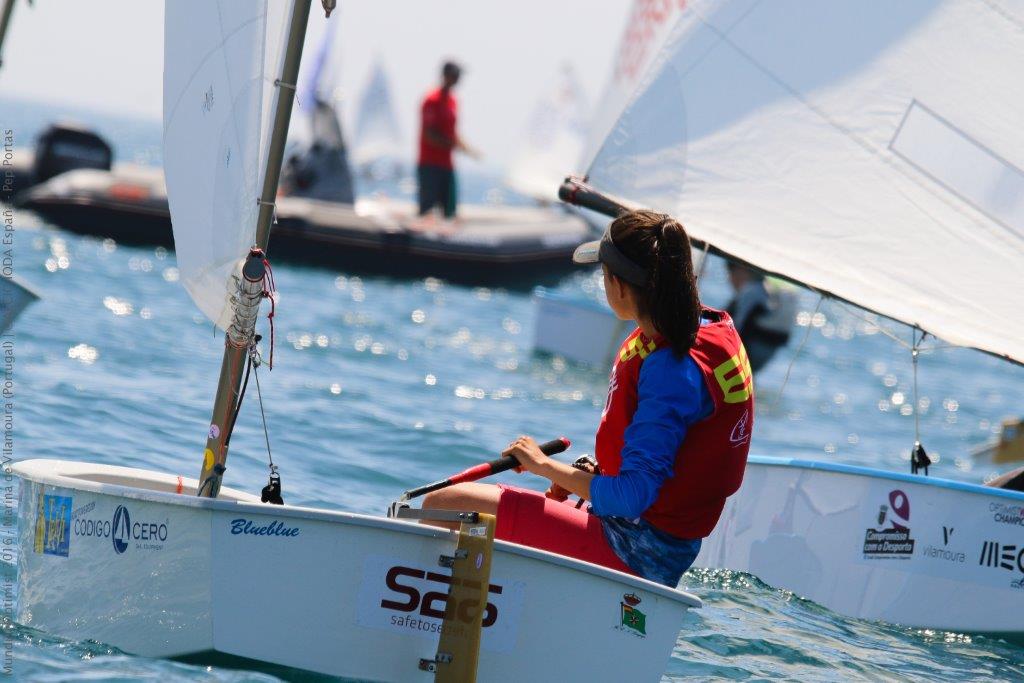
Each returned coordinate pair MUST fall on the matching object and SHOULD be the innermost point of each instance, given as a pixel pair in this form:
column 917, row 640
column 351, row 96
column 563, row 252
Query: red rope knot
column 270, row 292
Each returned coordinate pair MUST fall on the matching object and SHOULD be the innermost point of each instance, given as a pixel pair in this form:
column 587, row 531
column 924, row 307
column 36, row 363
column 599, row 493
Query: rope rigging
column 271, row 493
column 918, row 458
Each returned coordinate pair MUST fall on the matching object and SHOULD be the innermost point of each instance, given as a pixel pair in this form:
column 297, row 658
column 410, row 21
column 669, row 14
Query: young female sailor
column 673, row 439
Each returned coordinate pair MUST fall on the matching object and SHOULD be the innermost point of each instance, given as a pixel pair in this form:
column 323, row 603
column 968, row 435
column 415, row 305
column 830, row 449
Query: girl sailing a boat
column 673, row 439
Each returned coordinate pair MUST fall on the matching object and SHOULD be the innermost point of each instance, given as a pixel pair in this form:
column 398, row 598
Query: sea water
column 382, row 384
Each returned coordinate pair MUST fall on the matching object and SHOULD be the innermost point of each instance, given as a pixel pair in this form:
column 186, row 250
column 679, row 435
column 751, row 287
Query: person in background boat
column 763, row 316
column 439, row 137
column 673, row 438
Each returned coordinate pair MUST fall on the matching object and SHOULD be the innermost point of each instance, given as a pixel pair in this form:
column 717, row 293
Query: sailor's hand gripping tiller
column 474, row 473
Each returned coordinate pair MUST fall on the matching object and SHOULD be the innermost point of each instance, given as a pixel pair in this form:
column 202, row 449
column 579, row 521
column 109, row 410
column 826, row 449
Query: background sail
column 648, row 24
column 553, row 141
column 220, row 62
column 315, row 120
column 317, row 80
column 377, row 133
column 870, row 150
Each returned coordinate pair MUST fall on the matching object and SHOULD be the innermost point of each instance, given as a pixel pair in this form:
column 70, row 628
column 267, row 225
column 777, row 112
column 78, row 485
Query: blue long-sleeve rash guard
column 672, row 396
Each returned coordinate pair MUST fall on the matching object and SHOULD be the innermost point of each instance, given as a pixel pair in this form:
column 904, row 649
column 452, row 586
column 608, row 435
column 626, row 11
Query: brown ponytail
column 659, row 244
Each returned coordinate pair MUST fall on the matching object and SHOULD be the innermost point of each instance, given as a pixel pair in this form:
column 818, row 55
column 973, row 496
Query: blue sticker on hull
column 53, row 525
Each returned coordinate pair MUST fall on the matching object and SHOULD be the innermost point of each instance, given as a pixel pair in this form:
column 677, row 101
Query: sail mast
column 240, row 335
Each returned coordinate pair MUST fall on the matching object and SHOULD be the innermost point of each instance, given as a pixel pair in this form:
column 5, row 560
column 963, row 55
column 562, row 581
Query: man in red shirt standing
column 438, row 138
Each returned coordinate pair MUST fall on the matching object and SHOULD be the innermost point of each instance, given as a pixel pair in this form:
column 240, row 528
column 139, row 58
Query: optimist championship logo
column 894, row 541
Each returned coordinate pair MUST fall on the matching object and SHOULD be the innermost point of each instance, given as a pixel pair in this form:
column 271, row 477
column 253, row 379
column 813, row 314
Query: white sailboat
column 567, row 325
column 318, row 167
column 574, row 327
column 553, row 141
column 378, row 146
column 872, row 152
column 136, row 559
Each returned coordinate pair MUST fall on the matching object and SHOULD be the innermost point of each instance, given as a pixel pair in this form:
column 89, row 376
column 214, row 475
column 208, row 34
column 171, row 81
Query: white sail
column 553, row 141
column 869, row 150
column 220, row 62
column 648, row 24
column 377, row 133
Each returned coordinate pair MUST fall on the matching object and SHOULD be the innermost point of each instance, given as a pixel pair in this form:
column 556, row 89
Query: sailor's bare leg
column 468, row 497
column 1012, row 480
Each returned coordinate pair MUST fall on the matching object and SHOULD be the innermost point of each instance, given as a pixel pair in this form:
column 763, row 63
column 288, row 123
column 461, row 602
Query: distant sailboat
column 163, row 565
column 562, row 132
column 379, row 147
column 553, row 140
column 856, row 149
column 318, row 168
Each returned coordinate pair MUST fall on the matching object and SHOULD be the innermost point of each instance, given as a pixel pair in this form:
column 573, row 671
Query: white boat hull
column 941, row 555
column 160, row 574
column 578, row 329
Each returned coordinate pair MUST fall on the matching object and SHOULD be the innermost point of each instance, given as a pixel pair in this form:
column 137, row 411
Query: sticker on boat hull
column 397, row 595
column 1007, row 513
column 631, row 619
column 894, row 541
column 53, row 525
column 1006, row 557
column 247, row 527
column 122, row 531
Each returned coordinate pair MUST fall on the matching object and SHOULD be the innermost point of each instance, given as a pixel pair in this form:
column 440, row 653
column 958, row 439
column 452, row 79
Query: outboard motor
column 64, row 147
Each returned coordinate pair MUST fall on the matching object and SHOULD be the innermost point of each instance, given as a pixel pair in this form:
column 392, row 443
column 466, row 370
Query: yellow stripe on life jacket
column 737, row 387
column 636, row 347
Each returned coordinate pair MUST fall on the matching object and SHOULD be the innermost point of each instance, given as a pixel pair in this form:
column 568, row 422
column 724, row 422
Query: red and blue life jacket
column 709, row 464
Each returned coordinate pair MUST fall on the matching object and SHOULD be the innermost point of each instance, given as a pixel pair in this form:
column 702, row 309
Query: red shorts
column 528, row 518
